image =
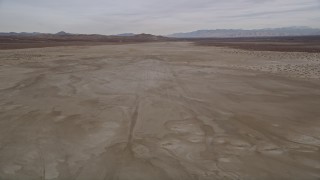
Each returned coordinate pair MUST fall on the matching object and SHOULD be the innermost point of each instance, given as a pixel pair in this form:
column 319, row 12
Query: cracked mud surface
column 158, row 111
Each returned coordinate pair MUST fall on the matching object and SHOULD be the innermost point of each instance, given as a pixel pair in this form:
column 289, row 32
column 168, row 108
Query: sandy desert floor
column 158, row 111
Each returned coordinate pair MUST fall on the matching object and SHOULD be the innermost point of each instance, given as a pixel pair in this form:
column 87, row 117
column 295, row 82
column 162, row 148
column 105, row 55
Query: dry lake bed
column 158, row 111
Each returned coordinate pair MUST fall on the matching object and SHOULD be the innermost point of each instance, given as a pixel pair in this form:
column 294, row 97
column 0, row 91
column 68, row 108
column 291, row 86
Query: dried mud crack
column 161, row 111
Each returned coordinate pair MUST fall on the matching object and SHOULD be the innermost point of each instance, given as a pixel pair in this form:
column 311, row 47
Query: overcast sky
column 154, row 16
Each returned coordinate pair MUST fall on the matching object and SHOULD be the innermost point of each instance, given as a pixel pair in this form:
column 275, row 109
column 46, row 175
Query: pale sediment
column 158, row 111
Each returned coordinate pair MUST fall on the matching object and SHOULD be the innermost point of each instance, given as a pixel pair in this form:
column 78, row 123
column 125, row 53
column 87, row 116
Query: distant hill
column 125, row 34
column 62, row 33
column 149, row 37
column 270, row 32
column 62, row 36
column 19, row 34
column 31, row 33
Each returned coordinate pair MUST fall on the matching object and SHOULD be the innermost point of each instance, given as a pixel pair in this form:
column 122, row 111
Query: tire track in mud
column 38, row 123
column 196, row 107
column 25, row 83
column 169, row 127
column 145, row 83
column 134, row 119
column 126, row 156
column 73, row 81
column 200, row 107
column 10, row 132
column 182, row 100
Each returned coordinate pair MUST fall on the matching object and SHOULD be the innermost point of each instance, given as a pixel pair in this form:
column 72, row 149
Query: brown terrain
column 52, row 40
column 309, row 44
column 159, row 110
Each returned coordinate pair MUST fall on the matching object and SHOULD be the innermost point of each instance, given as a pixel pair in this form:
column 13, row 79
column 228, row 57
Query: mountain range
column 269, row 32
column 61, row 33
column 216, row 33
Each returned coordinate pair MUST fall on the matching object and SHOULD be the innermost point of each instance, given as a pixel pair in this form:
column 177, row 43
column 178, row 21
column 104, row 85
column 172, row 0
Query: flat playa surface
column 160, row 111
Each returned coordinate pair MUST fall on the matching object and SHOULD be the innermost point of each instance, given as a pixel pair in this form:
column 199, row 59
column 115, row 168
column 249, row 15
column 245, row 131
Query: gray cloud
column 154, row 16
column 275, row 12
